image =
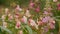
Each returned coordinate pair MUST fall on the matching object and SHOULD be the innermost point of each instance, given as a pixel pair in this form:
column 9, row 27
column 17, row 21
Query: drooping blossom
column 27, row 13
column 18, row 24
column 33, row 23
column 18, row 8
column 55, row 0
column 37, row 9
column 24, row 19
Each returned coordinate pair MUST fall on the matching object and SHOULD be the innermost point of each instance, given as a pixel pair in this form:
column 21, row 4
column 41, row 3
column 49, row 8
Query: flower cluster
column 20, row 15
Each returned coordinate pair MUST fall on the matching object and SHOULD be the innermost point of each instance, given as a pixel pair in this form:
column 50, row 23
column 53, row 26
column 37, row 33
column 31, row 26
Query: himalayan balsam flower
column 31, row 5
column 55, row 0
column 18, row 25
column 32, row 23
column 18, row 8
column 37, row 9
column 46, row 19
column 16, row 15
column 52, row 26
column 45, row 12
column 27, row 13
column 20, row 32
column 58, row 6
column 24, row 19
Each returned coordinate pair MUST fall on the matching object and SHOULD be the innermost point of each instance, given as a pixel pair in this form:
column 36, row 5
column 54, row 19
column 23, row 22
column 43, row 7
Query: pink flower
column 45, row 12
column 52, row 26
column 46, row 19
column 31, row 5
column 18, row 25
column 24, row 19
column 18, row 8
column 58, row 6
column 10, row 16
column 16, row 15
column 37, row 9
column 40, row 23
column 33, row 23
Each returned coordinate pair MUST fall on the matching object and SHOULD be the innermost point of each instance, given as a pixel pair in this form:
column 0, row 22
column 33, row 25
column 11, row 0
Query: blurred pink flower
column 52, row 26
column 58, row 6
column 45, row 12
column 18, row 23
column 31, row 5
column 5, row 24
column 24, row 19
column 46, row 19
column 33, row 23
column 18, row 8
column 37, row 9
column 16, row 15
column 40, row 23
column 10, row 16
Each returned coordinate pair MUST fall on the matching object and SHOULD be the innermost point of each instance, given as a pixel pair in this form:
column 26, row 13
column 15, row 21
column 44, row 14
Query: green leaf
column 29, row 29
column 5, row 29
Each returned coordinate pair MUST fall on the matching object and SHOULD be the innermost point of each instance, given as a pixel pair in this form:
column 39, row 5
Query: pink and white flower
column 18, row 24
column 37, row 9
column 18, row 8
column 33, row 23
column 24, row 19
